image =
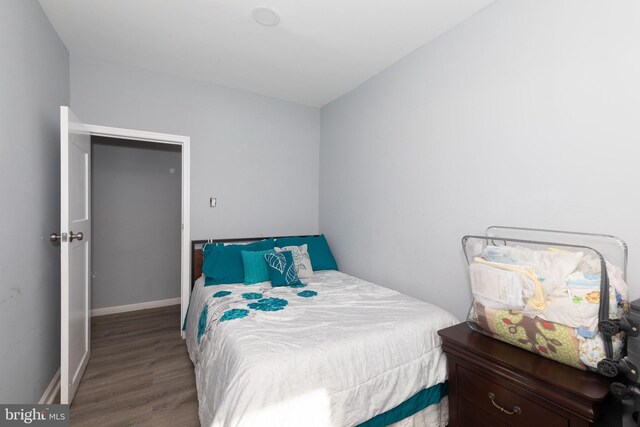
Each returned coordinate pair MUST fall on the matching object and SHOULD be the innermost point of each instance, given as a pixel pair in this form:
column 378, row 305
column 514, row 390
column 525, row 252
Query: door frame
column 185, row 245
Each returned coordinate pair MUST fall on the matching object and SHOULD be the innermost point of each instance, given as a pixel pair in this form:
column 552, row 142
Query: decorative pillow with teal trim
column 223, row 264
column 255, row 266
column 282, row 269
column 319, row 252
column 301, row 259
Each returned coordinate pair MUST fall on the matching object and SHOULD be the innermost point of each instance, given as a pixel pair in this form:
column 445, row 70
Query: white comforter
column 338, row 358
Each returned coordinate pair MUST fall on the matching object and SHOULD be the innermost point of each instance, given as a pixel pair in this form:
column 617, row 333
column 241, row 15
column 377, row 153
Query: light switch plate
column 212, row 202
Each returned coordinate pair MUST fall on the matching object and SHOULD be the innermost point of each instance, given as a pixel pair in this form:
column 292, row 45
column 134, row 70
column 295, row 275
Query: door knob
column 78, row 236
column 54, row 237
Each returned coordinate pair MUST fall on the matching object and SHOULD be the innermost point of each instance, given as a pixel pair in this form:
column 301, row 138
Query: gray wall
column 135, row 222
column 257, row 155
column 34, row 82
column 527, row 114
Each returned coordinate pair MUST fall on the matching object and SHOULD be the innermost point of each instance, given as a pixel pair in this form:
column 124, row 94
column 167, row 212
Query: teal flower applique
column 202, row 322
column 307, row 294
column 252, row 295
column 298, row 285
column 235, row 313
column 269, row 304
column 221, row 294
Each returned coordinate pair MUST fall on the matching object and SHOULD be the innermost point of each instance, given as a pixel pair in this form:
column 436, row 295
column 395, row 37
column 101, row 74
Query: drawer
column 469, row 415
column 477, row 389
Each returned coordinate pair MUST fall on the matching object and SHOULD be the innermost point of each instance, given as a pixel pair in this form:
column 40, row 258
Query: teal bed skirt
column 413, row 405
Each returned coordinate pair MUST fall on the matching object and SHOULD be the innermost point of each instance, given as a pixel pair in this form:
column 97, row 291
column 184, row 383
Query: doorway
column 135, row 225
column 136, row 136
column 75, row 237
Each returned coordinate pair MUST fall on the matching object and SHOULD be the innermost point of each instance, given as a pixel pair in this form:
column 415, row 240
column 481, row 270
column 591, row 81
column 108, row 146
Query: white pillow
column 301, row 260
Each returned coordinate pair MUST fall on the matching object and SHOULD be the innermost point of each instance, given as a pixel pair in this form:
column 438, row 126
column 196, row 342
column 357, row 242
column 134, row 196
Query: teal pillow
column 282, row 269
column 318, row 248
column 223, row 264
column 255, row 266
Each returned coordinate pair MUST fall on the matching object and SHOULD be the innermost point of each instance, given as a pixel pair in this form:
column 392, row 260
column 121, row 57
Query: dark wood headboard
column 196, row 251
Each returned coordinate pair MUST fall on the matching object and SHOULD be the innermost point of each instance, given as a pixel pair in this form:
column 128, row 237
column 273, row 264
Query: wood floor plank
column 139, row 373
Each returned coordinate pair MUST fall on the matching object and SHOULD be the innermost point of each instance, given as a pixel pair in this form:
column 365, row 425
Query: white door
column 75, row 232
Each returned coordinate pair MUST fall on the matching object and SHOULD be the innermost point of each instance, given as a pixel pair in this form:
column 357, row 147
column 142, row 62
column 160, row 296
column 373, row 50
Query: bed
column 339, row 351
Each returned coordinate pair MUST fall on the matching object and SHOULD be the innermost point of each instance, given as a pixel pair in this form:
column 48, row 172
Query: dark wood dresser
column 495, row 384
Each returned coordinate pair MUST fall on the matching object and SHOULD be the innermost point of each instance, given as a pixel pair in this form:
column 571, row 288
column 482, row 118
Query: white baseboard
column 51, row 391
column 133, row 307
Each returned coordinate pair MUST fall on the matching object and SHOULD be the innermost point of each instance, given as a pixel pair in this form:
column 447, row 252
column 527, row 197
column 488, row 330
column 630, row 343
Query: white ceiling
column 319, row 51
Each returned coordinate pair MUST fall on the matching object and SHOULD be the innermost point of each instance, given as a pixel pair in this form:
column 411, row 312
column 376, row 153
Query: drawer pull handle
column 515, row 411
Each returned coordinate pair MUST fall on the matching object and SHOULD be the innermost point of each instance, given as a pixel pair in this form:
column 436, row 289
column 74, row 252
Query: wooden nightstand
column 486, row 374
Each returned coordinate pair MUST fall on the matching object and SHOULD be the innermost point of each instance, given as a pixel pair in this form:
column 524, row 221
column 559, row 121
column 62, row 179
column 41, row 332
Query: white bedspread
column 338, row 358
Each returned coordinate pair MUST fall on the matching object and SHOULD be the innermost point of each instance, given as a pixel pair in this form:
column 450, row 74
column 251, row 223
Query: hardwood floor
column 139, row 373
